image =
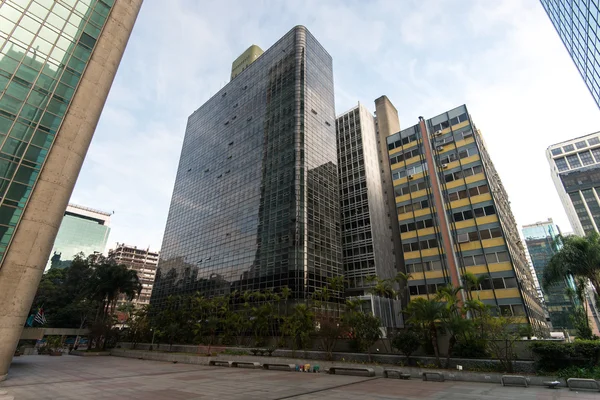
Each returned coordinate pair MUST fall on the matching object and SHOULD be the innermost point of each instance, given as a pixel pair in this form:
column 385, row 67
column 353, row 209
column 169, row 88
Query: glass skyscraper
column 255, row 204
column 45, row 46
column 82, row 230
column 576, row 22
column 540, row 239
column 58, row 59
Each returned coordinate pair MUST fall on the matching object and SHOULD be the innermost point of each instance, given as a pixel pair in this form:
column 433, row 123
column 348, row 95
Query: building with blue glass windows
column 58, row 60
column 540, row 239
column 576, row 22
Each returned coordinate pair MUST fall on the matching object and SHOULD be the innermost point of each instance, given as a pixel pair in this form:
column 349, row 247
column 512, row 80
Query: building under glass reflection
column 82, row 230
column 44, row 49
column 576, row 22
column 541, row 242
column 255, row 204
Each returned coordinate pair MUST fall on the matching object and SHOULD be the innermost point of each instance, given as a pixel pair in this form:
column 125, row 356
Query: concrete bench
column 350, row 370
column 585, row 384
column 249, row 364
column 514, row 380
column 401, row 375
column 219, row 363
column 433, row 376
column 287, row 367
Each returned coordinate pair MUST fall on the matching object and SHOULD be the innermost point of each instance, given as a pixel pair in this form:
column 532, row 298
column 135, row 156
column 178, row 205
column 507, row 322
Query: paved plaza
column 72, row 377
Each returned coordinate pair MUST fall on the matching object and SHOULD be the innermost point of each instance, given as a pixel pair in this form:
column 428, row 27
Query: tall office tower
column 540, row 239
column 57, row 63
column 442, row 164
column 82, row 230
column 256, row 203
column 576, row 23
column 366, row 231
column 575, row 169
column 142, row 261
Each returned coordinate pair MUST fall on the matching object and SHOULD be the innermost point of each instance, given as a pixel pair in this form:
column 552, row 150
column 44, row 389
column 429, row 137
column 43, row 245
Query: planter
column 56, row 353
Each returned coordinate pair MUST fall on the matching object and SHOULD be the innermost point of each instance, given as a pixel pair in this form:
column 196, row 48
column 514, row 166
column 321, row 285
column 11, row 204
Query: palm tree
column 579, row 257
column 427, row 314
column 473, row 282
column 381, row 287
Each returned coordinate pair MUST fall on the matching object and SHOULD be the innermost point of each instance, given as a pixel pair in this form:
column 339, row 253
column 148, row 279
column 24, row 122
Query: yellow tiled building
column 476, row 234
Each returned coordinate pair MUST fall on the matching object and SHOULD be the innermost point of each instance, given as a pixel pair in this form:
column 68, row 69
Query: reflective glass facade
column 82, row 230
column 442, row 164
column 255, row 204
column 576, row 22
column 44, row 49
column 540, row 241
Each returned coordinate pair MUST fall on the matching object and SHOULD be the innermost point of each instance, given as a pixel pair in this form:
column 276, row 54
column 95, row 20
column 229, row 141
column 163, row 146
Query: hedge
column 554, row 356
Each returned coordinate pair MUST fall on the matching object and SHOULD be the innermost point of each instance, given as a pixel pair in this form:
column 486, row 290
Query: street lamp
column 152, row 344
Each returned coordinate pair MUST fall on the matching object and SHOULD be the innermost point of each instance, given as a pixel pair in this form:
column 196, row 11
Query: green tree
column 578, row 257
column 503, row 334
column 365, row 329
column 299, row 326
column 407, row 341
column 426, row 314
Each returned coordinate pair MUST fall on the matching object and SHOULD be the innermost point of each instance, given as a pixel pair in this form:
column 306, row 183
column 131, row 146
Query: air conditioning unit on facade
column 463, row 237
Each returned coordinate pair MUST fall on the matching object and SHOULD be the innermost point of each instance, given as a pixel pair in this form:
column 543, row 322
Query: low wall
column 383, row 346
column 472, row 364
column 451, row 375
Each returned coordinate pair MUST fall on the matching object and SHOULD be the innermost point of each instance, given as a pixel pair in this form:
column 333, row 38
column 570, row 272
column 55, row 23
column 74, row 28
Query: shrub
column 471, row 348
column 553, row 356
column 407, row 342
column 576, row 372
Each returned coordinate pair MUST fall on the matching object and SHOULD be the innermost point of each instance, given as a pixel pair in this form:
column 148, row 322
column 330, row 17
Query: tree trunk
column 434, row 342
column 451, row 344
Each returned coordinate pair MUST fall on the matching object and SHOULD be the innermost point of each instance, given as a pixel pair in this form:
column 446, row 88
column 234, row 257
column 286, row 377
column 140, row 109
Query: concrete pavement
column 71, row 377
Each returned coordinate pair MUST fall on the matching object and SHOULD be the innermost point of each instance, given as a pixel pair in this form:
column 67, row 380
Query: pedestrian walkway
column 71, row 377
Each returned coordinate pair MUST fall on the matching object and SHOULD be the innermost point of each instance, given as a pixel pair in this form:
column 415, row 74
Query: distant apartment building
column 575, row 169
column 367, row 246
column 540, row 239
column 142, row 261
column 576, row 22
column 82, row 230
column 442, row 164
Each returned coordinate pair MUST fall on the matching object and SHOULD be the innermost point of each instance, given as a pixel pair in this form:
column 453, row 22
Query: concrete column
column 388, row 123
column 26, row 258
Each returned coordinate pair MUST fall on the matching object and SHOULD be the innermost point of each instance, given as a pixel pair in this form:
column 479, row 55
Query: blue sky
column 502, row 58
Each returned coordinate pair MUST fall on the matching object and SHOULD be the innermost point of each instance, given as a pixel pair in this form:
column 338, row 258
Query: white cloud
column 503, row 59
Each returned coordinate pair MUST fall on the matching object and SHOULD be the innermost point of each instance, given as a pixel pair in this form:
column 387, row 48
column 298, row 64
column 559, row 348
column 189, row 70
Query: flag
column 30, row 320
column 40, row 318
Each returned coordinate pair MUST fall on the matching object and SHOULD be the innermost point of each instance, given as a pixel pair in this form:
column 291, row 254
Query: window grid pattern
column 44, row 49
column 541, row 244
column 256, row 204
column 576, row 22
column 463, row 169
column 367, row 249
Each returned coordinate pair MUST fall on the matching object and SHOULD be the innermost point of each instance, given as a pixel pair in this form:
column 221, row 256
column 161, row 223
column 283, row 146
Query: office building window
column 574, row 161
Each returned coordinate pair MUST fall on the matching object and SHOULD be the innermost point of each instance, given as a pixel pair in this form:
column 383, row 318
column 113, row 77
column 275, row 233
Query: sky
column 502, row 58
